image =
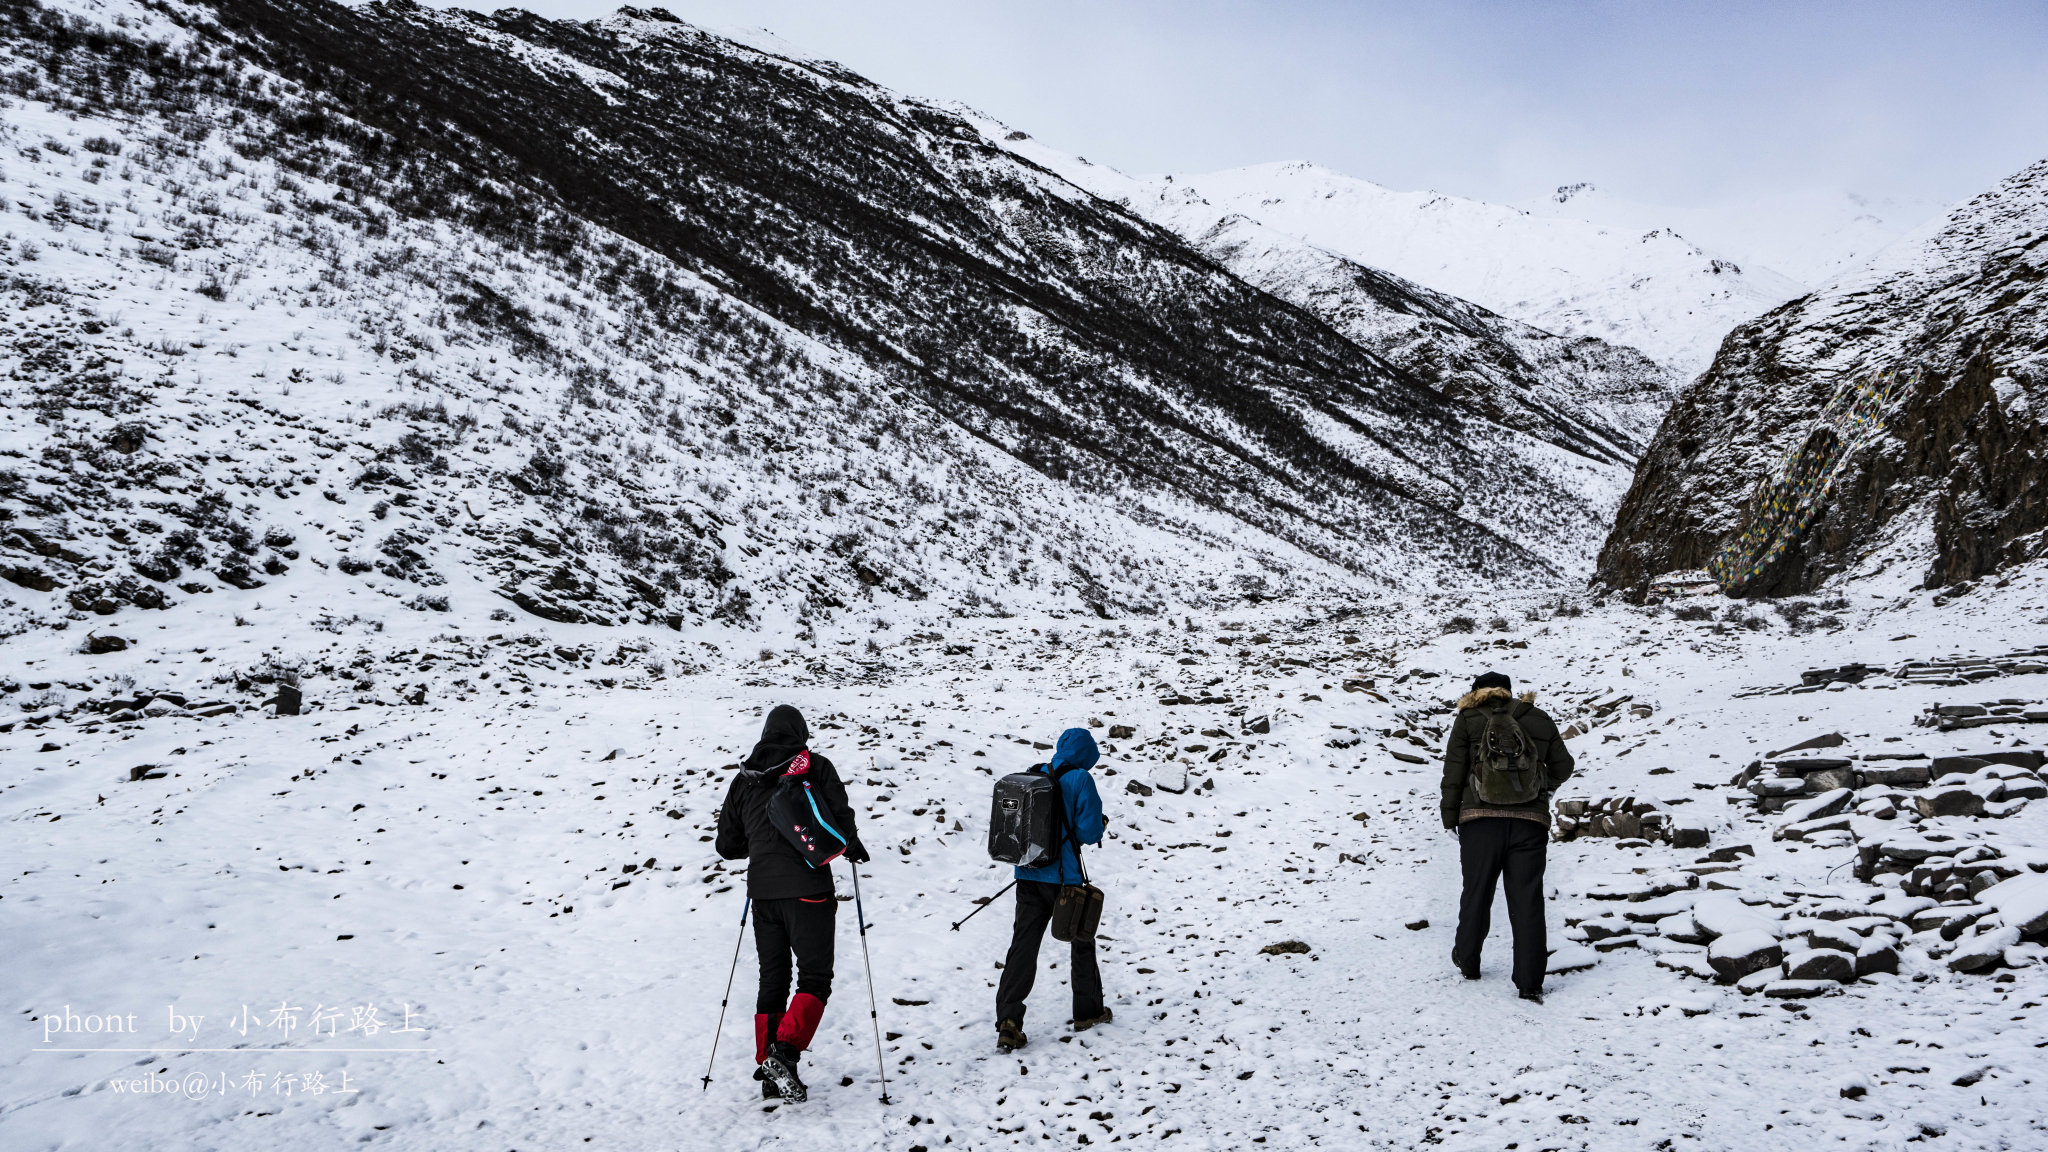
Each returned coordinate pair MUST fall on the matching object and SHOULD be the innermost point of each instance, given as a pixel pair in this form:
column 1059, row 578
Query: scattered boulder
column 1828, row 781
column 1877, row 955
column 1833, row 936
column 1831, row 740
column 1283, row 948
column 2025, row 788
column 97, row 645
column 1984, row 950
column 287, row 700
column 1137, row 789
column 1416, row 925
column 1689, row 832
column 1800, row 989
column 1570, row 957
column 1683, row 929
column 1805, row 767
column 1950, row 801
column 2032, row 759
column 1821, row 964
column 1722, row 914
column 1905, row 775
column 1728, row 855
column 1738, row 954
column 1830, row 803
column 33, row 579
column 2021, row 901
column 1121, row 731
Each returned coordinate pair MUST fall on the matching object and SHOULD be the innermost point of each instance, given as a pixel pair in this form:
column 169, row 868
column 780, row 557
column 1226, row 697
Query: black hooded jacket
column 776, row 871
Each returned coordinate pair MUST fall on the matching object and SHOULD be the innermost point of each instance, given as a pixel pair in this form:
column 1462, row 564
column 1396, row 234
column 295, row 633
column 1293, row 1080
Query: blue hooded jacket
column 1071, row 760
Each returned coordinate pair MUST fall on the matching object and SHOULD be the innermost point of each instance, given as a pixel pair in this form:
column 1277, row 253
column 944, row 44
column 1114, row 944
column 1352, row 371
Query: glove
column 856, row 852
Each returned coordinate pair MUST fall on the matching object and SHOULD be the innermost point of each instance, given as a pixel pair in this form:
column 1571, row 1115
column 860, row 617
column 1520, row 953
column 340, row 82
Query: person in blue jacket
column 1038, row 888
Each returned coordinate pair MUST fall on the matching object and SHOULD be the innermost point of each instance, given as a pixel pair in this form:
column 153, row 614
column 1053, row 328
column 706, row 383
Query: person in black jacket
column 795, row 908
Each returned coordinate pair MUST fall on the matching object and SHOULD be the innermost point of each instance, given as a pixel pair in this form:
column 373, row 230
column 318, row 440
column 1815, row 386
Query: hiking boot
column 1533, row 996
column 1470, row 972
column 779, row 1070
column 768, row 1089
column 1083, row 1025
column 1010, row 1036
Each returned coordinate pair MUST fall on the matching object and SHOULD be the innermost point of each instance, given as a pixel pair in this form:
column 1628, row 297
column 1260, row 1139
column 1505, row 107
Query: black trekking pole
column 867, row 967
column 744, row 909
column 983, row 904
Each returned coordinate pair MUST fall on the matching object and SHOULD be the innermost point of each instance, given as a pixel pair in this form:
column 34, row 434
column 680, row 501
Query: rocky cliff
column 1891, row 421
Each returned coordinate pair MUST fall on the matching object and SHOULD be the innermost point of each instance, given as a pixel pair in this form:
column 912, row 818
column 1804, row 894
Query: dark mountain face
column 1890, row 420
column 1095, row 347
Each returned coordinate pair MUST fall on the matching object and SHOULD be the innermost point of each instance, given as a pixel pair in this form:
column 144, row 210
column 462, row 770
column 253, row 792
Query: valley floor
column 460, row 865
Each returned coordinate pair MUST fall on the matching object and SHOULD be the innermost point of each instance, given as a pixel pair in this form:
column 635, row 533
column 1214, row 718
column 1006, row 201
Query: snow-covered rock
column 1722, row 914
column 2022, row 901
column 1886, row 421
column 1735, row 955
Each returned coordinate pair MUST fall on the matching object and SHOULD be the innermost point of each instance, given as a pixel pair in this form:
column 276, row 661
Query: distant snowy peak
column 1585, row 395
column 1809, row 236
column 1650, row 288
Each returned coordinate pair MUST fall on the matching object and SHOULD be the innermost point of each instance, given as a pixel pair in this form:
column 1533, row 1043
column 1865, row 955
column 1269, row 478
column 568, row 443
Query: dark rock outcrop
column 1946, row 472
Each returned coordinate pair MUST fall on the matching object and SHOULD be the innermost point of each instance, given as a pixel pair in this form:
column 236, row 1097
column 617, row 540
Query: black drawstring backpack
column 795, row 811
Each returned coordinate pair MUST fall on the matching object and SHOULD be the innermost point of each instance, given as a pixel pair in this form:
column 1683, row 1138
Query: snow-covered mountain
column 1648, row 288
column 1582, row 393
column 1891, row 421
column 1811, row 235
column 734, row 338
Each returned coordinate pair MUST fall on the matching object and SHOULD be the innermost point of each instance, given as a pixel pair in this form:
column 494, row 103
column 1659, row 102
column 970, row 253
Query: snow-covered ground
column 465, row 861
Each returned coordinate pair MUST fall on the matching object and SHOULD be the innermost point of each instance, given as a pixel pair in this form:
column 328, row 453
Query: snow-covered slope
column 1811, row 236
column 1890, row 421
column 1580, row 393
column 1647, row 288
column 748, row 342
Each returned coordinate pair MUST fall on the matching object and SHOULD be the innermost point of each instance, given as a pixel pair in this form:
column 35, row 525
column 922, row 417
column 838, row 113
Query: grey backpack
column 1503, row 765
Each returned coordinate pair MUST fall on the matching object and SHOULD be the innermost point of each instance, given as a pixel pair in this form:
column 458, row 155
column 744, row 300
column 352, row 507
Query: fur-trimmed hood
column 1477, row 697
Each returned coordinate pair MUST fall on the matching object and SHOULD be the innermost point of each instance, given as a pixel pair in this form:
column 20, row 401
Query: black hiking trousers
column 803, row 925
column 1509, row 849
column 1035, row 899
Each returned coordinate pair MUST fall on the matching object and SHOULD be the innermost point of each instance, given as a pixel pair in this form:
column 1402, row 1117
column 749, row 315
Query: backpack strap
column 1066, row 826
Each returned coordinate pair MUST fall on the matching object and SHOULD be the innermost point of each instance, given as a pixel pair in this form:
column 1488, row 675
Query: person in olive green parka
column 1497, row 841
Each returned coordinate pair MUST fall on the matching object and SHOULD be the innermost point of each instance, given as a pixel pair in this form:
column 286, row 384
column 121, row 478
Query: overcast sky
column 1674, row 103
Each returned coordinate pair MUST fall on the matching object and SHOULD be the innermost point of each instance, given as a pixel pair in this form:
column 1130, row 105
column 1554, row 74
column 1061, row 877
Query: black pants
column 1035, row 899
column 1497, row 848
column 804, row 926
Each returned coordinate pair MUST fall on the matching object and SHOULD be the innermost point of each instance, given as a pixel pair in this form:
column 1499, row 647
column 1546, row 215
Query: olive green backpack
column 1504, row 768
